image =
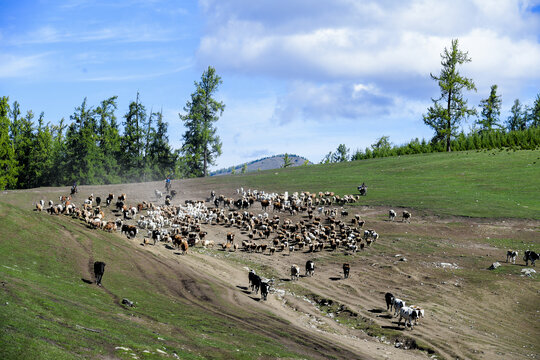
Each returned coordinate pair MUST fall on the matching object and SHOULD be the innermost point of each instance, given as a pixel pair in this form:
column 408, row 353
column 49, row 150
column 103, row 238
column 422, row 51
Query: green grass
column 47, row 309
column 477, row 184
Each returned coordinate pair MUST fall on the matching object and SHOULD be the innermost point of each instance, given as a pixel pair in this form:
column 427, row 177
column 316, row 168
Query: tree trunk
column 204, row 164
column 449, row 125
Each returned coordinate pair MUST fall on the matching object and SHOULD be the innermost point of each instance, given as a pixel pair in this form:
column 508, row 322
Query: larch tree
column 517, row 119
column 286, row 161
column 450, row 108
column 132, row 141
column 8, row 162
column 201, row 143
column 491, row 110
column 534, row 114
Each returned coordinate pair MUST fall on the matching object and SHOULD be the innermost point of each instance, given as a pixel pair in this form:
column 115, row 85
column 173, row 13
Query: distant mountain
column 267, row 163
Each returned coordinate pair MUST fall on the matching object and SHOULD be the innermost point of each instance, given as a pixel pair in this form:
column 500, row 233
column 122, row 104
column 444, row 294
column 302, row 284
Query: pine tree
column 81, row 156
column 491, row 110
column 132, row 141
column 23, row 140
column 41, row 160
column 445, row 119
column 160, row 154
column 8, row 162
column 517, row 120
column 286, row 161
column 201, row 144
column 534, row 114
column 109, row 141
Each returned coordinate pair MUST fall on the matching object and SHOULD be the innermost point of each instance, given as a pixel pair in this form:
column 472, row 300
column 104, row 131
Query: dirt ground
column 437, row 263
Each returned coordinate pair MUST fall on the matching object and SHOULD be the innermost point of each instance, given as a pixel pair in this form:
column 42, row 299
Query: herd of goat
column 325, row 224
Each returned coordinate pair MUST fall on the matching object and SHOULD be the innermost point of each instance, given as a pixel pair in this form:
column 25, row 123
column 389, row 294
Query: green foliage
column 286, row 161
column 491, row 110
column 132, row 141
column 534, row 115
column 8, row 162
column 201, row 143
column 445, row 118
column 517, row 119
column 244, row 168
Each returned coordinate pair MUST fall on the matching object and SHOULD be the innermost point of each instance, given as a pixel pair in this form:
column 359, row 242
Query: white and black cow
column 398, row 304
column 99, row 269
column 530, row 255
column 407, row 314
column 392, row 215
column 265, row 286
column 389, row 301
column 310, row 268
column 511, row 254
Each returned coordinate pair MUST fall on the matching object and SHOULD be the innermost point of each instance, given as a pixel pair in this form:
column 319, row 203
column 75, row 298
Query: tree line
column 95, row 147
column 521, row 130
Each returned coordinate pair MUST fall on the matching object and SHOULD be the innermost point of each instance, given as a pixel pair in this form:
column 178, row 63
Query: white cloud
column 12, row 66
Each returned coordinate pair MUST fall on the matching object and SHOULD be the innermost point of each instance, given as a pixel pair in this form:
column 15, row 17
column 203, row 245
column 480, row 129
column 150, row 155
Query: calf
column 407, row 314
column 295, row 272
column 389, row 301
column 346, row 270
column 530, row 255
column 511, row 254
column 392, row 215
column 419, row 313
column 310, row 268
column 99, row 269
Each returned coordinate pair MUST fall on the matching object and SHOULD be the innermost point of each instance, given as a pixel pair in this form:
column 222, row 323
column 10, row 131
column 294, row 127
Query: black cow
column 346, row 270
column 310, row 268
column 98, row 201
column 264, row 289
column 99, row 269
column 389, row 301
column 530, row 255
column 254, row 281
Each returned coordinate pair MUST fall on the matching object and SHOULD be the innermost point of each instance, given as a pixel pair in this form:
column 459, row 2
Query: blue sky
column 298, row 76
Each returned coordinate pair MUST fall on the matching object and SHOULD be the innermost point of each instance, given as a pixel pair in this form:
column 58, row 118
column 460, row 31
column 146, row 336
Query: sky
column 299, row 76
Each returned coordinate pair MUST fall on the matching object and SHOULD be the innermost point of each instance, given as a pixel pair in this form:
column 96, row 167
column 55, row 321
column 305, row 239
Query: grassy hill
column 480, row 184
column 49, row 310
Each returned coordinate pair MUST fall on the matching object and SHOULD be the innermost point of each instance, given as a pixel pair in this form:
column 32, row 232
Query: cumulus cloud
column 360, row 61
column 345, row 39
